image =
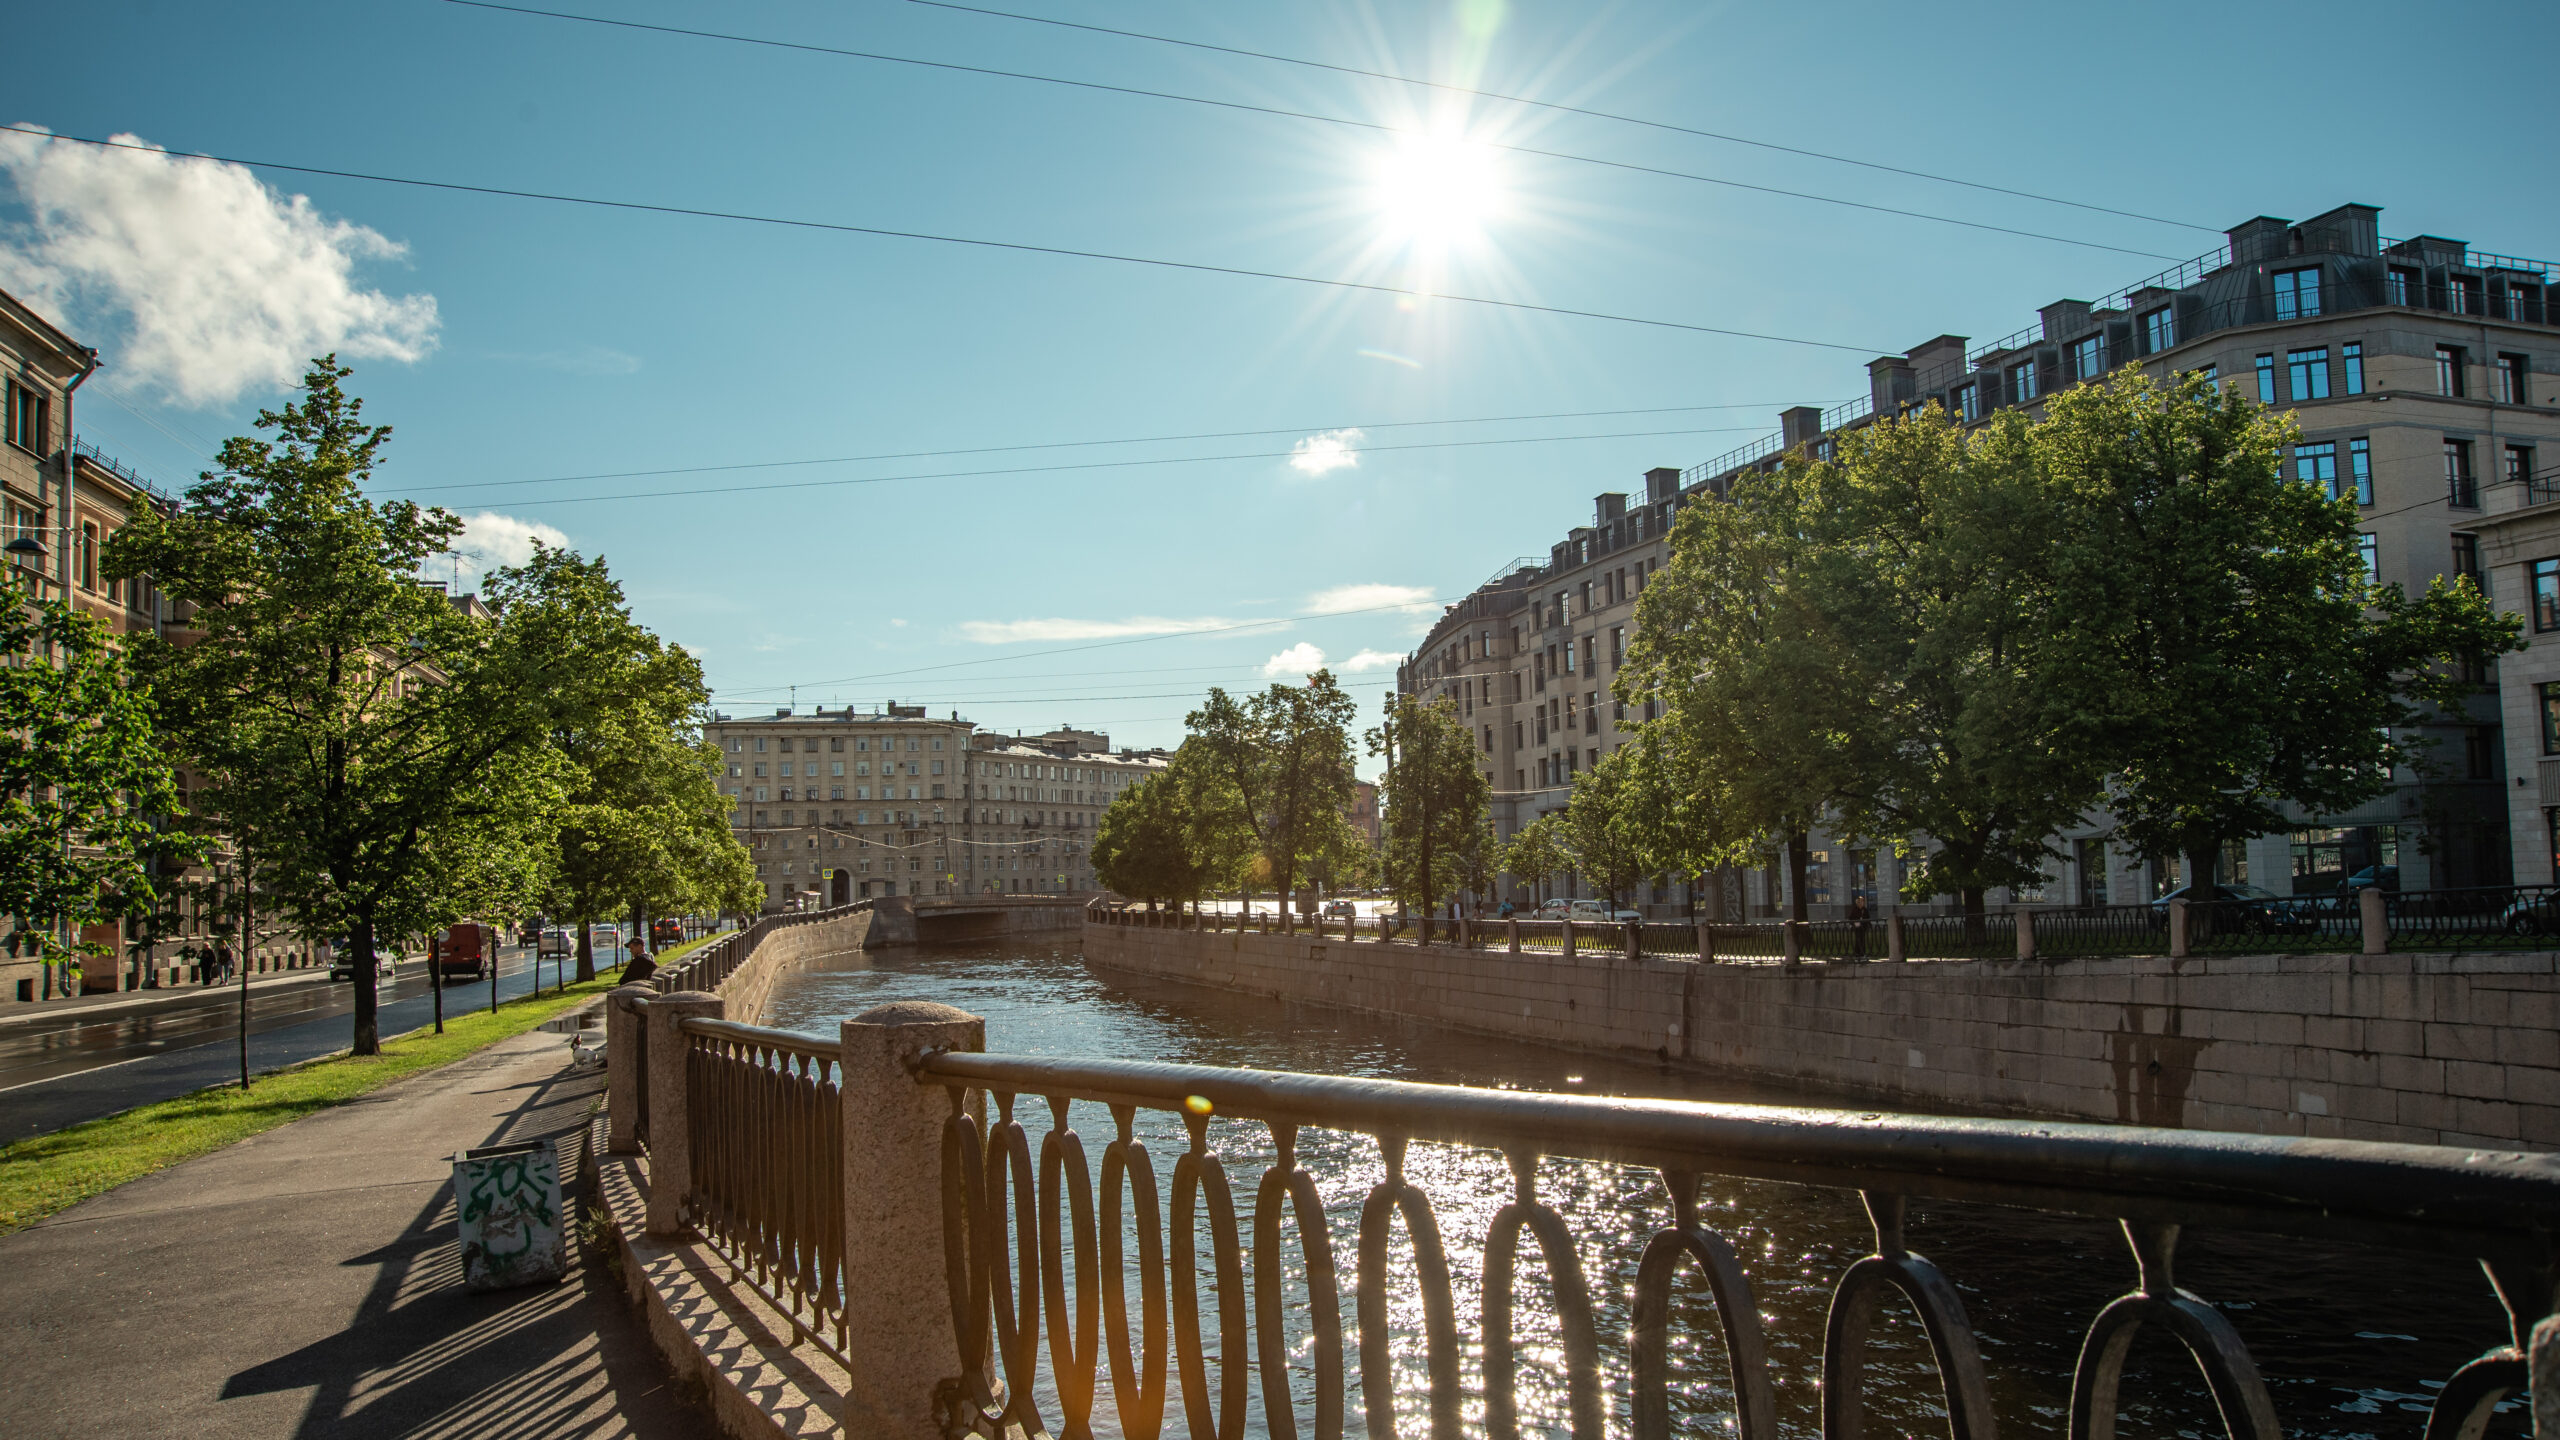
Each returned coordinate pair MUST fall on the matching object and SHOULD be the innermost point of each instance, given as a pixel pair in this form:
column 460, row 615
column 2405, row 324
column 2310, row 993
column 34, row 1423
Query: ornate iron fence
column 2491, row 917
column 765, row 1117
column 1007, row 1249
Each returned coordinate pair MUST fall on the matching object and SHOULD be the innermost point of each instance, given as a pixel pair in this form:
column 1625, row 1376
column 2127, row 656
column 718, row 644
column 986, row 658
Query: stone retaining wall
column 2459, row 1049
column 784, row 950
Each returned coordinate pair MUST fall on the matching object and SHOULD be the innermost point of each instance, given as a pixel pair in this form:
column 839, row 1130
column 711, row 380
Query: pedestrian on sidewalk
column 638, row 969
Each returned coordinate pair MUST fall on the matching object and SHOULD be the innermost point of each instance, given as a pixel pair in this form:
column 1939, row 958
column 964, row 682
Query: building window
column 2546, row 595
column 1969, row 402
column 2297, row 294
column 2449, row 370
column 2160, row 329
column 2351, row 359
column 1591, row 712
column 2550, row 697
column 2519, row 465
column 2457, row 296
column 2266, row 379
column 2461, row 487
column 1617, row 646
column 2466, row 558
column 30, row 416
column 2317, row 467
column 2372, row 561
column 2022, row 381
column 2398, row 286
column 2309, row 372
column 2088, row 359
column 2360, row 469
column 2510, row 382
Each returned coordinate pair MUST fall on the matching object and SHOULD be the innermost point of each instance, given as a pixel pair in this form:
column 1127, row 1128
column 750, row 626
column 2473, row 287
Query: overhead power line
column 529, row 502
column 1563, row 108
column 1022, row 247
column 1381, row 127
column 1088, row 444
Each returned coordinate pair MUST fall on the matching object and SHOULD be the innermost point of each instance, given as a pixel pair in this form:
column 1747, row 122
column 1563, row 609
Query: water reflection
column 2353, row 1342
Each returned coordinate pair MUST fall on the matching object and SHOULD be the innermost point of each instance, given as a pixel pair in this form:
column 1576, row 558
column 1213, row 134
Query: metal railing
column 765, row 1117
column 2483, row 918
column 711, row 966
column 1008, row 1248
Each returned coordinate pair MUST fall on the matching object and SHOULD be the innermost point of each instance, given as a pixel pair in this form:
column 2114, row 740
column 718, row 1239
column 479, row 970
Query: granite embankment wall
column 2459, row 1049
column 744, row 993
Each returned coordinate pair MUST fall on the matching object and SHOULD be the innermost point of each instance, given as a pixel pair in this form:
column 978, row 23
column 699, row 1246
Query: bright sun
column 1436, row 192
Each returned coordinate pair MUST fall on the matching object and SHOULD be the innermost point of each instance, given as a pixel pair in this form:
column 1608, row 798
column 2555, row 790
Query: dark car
column 666, row 930
column 2372, row 877
column 2250, row 909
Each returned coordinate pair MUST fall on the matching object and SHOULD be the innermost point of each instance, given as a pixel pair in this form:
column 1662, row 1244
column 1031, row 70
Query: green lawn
column 50, row 1173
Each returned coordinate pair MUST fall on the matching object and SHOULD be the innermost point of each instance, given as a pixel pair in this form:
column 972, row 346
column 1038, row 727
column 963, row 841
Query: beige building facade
column 846, row 804
column 2425, row 376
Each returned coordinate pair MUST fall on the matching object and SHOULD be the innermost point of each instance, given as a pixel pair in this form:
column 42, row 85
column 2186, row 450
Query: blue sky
column 513, row 341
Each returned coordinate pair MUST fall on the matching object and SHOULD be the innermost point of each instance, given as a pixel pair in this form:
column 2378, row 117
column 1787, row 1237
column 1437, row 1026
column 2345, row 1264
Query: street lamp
column 25, row 546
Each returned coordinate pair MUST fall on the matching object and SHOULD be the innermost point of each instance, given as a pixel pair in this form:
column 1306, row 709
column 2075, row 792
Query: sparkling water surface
column 2354, row 1342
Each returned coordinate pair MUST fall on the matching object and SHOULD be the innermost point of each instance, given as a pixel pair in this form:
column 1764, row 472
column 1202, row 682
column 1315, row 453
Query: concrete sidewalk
column 306, row 1283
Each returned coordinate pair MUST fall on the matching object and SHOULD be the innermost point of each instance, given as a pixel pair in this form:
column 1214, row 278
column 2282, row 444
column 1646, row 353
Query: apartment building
column 2426, row 378
column 845, row 804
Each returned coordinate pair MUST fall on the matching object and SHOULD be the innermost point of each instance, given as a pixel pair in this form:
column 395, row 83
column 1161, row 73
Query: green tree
column 1434, row 800
column 1901, row 675
column 1276, row 766
column 368, row 738
column 1597, row 841
column 1145, row 846
column 85, row 789
column 2217, row 623
column 644, row 827
column 1536, row 851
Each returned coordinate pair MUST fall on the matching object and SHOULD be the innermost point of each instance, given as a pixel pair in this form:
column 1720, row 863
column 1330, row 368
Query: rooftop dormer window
column 2297, row 294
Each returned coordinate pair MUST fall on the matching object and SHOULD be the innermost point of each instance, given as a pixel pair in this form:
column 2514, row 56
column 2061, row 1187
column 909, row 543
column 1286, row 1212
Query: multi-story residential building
column 842, row 805
column 2425, row 376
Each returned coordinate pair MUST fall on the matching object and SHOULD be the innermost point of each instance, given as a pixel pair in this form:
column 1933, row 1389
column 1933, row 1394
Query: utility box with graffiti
column 508, row 1198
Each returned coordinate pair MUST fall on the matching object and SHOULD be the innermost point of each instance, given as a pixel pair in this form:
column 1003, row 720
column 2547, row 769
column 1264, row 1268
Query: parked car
column 557, row 941
column 2372, row 877
column 1340, row 909
column 342, row 961
column 2253, row 909
column 1554, row 909
column 1597, row 912
column 2535, row 914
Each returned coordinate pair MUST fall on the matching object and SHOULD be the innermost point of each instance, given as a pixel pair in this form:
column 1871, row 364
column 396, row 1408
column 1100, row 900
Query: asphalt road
column 60, row 1073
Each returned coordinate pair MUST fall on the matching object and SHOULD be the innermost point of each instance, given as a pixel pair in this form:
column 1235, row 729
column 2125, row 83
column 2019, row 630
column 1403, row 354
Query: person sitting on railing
column 638, row 969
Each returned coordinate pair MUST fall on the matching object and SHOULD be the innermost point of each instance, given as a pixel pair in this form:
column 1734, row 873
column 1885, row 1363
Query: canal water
column 2353, row 1342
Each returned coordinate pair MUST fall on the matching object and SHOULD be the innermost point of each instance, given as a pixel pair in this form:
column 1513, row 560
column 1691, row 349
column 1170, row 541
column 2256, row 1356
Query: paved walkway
column 307, row 1283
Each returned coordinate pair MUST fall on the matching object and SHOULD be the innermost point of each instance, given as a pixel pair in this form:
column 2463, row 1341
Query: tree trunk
column 2201, row 863
column 586, row 953
column 1970, row 897
column 1798, row 846
column 368, row 1040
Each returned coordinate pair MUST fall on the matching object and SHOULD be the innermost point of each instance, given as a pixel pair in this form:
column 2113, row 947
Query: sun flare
column 1438, row 192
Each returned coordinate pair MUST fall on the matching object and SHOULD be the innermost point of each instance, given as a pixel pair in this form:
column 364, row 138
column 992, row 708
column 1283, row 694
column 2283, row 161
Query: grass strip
column 45, row 1174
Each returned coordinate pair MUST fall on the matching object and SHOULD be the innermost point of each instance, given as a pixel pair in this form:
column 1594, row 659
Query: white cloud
column 1324, row 453
column 1008, row 632
column 1301, row 659
column 1373, row 660
column 490, row 540
column 1371, row 597
column 228, row 285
